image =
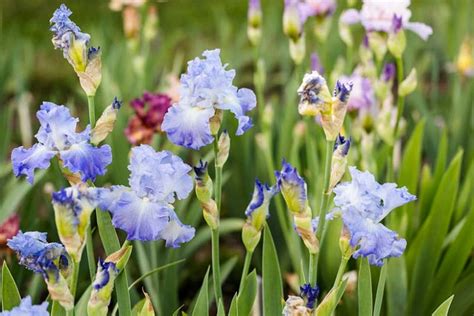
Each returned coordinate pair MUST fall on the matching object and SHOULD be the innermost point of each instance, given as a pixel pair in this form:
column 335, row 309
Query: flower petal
column 25, row 161
column 188, row 126
column 243, row 101
column 87, row 160
column 175, row 233
column 373, row 240
column 422, row 30
column 160, row 176
column 140, row 218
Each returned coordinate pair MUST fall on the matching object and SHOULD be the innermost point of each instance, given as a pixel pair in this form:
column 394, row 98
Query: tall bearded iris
column 206, row 90
column 379, row 16
column 57, row 136
column 364, row 203
column 144, row 209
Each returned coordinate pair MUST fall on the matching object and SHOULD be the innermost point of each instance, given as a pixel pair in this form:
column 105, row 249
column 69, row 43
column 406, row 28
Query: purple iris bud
column 311, row 294
column 388, row 72
column 397, row 23
column 316, row 64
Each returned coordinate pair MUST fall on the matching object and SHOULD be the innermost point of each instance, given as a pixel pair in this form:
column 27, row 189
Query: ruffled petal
column 140, row 218
column 239, row 104
column 175, row 233
column 58, row 127
column 422, row 30
column 351, row 16
column 161, row 176
column 371, row 239
column 188, row 126
column 87, row 160
column 25, row 161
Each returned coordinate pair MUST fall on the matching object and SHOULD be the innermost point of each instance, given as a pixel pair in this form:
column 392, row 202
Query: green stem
column 245, row 270
column 216, row 270
column 91, row 106
column 312, row 268
column 90, row 254
column 380, row 290
column 324, row 201
column 340, row 271
column 73, row 283
column 400, row 99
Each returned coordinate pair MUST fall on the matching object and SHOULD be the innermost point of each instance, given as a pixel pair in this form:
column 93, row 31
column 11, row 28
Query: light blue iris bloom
column 206, row 87
column 27, row 308
column 37, row 254
column 57, row 135
column 363, row 204
column 144, row 209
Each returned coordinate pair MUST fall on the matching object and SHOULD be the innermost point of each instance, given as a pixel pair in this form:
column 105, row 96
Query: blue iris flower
column 205, row 88
column 364, row 203
column 144, row 209
column 27, row 308
column 57, row 135
column 37, row 254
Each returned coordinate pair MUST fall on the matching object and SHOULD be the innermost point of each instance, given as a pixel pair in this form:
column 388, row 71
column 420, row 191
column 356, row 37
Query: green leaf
column 397, row 286
column 111, row 243
column 453, row 262
column 10, row 294
column 271, row 277
column 220, row 308
column 81, row 305
column 463, row 297
column 233, row 306
column 436, row 228
column 202, row 304
column 176, row 312
column 57, row 309
column 138, row 307
column 246, row 298
column 364, row 288
column 443, row 309
column 14, row 192
column 329, row 303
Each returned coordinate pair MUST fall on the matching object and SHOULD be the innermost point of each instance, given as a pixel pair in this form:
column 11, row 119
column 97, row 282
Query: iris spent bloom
column 364, row 203
column 57, row 136
column 206, row 90
column 257, row 213
column 27, row 308
column 72, row 209
column 48, row 259
column 378, row 16
column 144, row 210
column 74, row 44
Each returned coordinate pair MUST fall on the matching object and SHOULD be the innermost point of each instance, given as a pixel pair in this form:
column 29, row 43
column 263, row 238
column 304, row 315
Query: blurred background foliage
column 31, row 71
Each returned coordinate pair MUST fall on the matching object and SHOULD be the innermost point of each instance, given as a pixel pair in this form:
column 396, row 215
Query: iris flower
column 27, row 308
column 364, row 203
column 206, row 90
column 144, row 210
column 57, row 136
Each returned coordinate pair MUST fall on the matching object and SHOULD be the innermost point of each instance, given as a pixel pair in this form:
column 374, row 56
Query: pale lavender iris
column 377, row 15
column 57, row 136
column 144, row 209
column 206, row 87
column 27, row 308
column 363, row 204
